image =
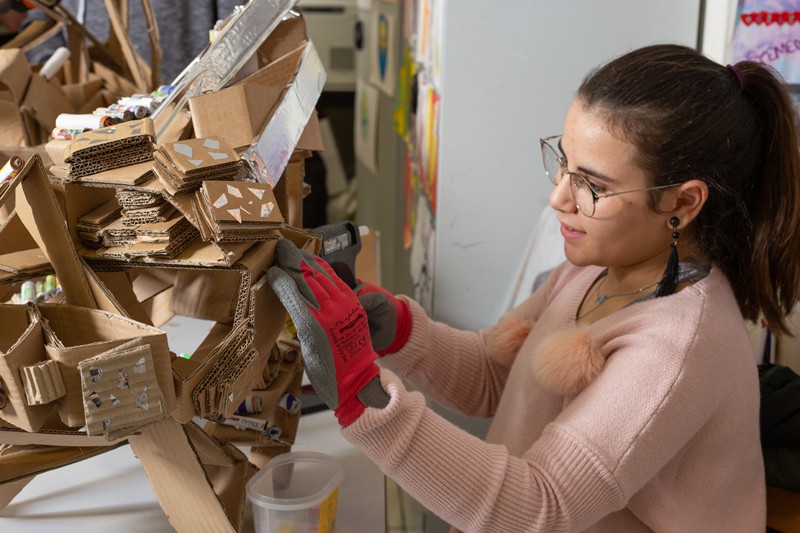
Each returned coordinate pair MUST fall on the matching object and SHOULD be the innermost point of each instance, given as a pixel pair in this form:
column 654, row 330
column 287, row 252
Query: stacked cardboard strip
column 237, row 211
column 160, row 212
column 183, row 166
column 116, row 233
column 108, row 148
column 91, row 226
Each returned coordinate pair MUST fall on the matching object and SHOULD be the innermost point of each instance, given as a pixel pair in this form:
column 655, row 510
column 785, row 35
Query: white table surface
column 111, row 492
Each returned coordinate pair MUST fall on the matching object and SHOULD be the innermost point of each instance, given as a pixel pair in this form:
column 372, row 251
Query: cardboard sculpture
column 90, row 370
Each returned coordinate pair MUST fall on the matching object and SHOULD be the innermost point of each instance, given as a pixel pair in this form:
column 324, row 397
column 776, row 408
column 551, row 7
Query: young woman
column 624, row 391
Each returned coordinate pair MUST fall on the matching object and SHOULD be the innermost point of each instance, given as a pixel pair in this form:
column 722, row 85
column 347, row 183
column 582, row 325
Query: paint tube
column 28, row 293
column 274, row 432
column 49, row 286
column 86, row 121
column 251, row 405
column 290, row 402
column 245, row 422
column 11, row 168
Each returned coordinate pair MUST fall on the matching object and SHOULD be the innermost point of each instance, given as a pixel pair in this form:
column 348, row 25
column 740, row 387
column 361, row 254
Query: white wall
column 511, row 69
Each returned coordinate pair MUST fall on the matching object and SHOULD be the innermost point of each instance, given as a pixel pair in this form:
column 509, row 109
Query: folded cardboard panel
column 21, row 345
column 196, row 495
column 37, row 208
column 79, row 334
column 270, row 151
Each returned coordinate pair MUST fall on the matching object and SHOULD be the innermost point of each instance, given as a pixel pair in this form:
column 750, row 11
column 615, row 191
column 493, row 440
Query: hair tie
column 738, row 74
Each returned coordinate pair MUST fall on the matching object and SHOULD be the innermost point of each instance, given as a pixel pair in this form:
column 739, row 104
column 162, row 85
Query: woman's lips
column 570, row 233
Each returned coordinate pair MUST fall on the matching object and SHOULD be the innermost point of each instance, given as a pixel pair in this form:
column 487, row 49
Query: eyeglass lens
column 581, row 193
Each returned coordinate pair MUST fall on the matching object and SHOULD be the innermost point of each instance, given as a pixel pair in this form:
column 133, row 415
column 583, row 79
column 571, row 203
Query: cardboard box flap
column 45, row 101
column 287, row 36
column 15, row 73
column 21, row 345
column 80, row 93
column 311, row 138
column 33, row 260
column 148, row 282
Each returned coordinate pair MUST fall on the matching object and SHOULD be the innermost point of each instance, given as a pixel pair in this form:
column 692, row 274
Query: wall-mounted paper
column 366, row 126
column 383, row 48
column 766, row 31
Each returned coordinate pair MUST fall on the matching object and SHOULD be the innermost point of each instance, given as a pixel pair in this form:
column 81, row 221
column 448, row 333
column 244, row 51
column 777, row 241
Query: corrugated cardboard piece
column 183, row 166
column 120, row 390
column 117, row 146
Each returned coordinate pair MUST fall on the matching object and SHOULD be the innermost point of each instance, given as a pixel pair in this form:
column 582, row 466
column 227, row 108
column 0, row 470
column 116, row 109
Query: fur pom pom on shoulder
column 504, row 340
column 566, row 362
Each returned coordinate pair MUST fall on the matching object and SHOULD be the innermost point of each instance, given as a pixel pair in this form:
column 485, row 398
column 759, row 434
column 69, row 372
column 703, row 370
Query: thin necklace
column 601, row 298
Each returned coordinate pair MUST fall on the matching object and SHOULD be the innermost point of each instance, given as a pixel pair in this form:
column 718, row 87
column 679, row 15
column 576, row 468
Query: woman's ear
column 685, row 201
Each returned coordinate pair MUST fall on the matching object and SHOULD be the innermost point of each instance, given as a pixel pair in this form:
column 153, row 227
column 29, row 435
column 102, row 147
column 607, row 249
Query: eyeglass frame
column 562, row 160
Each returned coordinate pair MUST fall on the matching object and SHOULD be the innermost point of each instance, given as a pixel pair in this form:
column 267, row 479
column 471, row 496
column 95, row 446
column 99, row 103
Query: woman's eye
column 596, row 187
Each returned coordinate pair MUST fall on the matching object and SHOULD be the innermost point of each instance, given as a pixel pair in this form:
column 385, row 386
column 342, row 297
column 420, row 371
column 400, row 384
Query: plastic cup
column 296, row 492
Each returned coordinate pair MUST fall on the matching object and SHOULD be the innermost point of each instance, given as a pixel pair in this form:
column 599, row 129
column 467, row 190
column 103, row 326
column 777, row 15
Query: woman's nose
column 561, row 198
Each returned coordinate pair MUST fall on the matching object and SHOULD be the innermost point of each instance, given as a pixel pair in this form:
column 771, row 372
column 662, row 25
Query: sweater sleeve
column 464, row 370
column 476, row 486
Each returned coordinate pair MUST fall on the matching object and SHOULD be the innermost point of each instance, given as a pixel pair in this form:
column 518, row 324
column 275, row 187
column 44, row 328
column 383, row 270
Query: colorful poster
column 768, row 31
column 402, row 96
column 383, row 53
column 366, row 125
column 427, row 136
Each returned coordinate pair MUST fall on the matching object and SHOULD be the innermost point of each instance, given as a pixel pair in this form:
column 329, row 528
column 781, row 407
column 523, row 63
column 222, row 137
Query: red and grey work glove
column 389, row 317
column 333, row 332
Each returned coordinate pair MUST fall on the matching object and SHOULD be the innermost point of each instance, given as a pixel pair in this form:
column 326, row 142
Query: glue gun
column 341, row 243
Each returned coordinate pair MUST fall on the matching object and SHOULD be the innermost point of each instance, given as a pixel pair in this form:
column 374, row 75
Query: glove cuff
column 349, row 412
column 403, row 328
column 371, row 394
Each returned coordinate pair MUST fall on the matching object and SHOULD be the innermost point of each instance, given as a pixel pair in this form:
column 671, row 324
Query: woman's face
column 624, row 232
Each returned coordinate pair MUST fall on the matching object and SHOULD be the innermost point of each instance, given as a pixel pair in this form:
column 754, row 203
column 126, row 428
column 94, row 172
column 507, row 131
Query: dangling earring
column 670, row 280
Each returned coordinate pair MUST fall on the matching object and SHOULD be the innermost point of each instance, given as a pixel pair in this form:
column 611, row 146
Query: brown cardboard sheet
column 229, row 211
column 187, row 491
column 120, row 390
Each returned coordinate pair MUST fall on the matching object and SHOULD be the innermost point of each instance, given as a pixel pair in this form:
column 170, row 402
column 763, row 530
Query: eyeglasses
column 584, row 192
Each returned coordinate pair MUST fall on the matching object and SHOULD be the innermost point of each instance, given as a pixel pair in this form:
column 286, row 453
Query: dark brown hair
column 692, row 118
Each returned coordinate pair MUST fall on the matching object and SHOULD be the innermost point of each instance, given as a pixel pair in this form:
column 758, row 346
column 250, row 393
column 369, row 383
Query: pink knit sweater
column 645, row 420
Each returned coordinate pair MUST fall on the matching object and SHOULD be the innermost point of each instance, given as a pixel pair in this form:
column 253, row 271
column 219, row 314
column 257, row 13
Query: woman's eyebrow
column 595, row 174
column 585, row 170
